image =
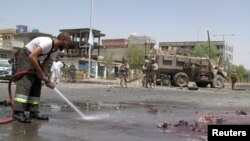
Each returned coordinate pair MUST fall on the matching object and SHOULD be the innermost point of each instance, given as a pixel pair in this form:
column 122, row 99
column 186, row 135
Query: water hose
column 11, row 100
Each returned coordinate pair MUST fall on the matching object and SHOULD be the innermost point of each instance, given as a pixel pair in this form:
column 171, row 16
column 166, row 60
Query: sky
column 163, row 20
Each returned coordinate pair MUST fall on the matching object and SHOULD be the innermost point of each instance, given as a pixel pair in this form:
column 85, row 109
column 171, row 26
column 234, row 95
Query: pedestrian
column 123, row 72
column 35, row 56
column 234, row 79
column 56, row 70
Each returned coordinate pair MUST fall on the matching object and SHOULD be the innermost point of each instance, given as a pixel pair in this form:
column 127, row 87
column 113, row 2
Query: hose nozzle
column 46, row 80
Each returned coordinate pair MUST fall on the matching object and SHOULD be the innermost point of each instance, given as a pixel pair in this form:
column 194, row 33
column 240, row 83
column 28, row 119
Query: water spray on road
column 83, row 117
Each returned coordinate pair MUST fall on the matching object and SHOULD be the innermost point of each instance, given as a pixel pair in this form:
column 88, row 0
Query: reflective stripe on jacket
column 25, row 99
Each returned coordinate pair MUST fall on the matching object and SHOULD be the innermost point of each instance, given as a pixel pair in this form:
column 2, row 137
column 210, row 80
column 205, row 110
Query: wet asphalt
column 124, row 114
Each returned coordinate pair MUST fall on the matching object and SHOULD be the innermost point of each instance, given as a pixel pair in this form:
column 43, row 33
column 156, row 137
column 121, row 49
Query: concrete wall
column 117, row 52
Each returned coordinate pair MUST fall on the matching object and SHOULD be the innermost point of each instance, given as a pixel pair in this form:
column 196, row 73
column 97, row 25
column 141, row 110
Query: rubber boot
column 37, row 115
column 22, row 117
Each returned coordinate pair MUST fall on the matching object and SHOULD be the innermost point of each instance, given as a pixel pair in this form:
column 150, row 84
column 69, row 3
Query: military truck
column 180, row 70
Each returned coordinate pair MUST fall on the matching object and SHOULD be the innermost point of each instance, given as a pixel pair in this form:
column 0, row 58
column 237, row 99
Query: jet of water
column 84, row 117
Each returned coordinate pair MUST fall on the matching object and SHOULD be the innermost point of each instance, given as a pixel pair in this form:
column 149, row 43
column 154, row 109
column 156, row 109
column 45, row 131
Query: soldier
column 149, row 75
column 72, row 73
column 144, row 70
column 154, row 71
column 123, row 72
column 234, row 79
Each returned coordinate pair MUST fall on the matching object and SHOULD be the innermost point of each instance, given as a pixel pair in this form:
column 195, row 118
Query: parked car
column 5, row 69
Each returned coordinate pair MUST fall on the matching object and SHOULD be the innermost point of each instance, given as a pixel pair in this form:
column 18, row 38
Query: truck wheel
column 201, row 84
column 218, row 82
column 181, row 79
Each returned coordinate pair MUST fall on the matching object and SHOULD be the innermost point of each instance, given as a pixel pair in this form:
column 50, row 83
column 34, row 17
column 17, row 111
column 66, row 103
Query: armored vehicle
column 180, row 70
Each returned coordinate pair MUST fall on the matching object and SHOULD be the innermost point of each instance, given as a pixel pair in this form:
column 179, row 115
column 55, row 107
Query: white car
column 5, row 69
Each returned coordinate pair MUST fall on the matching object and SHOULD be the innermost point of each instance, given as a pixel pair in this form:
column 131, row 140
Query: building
column 11, row 40
column 116, row 47
column 119, row 47
column 79, row 45
column 185, row 48
column 146, row 43
column 115, row 43
column 28, row 36
column 78, row 53
column 6, row 36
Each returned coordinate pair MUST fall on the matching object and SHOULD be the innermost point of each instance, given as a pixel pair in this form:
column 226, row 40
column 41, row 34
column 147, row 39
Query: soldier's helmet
column 124, row 60
column 234, row 71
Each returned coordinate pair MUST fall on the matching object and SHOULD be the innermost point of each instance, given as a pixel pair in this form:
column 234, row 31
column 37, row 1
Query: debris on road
column 210, row 119
column 240, row 112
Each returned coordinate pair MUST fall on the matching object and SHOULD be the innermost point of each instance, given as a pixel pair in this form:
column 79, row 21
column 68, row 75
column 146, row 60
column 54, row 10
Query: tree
column 202, row 50
column 108, row 60
column 242, row 72
column 135, row 57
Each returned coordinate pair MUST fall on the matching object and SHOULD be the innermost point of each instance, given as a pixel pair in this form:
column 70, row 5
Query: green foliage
column 242, row 73
column 202, row 50
column 108, row 60
column 135, row 57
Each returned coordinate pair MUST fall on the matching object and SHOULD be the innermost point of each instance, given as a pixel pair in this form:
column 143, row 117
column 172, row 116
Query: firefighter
column 123, row 72
column 35, row 56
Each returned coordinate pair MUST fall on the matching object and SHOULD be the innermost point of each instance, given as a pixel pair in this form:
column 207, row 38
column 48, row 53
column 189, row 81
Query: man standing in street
column 123, row 72
column 234, row 79
column 145, row 71
column 36, row 56
column 154, row 71
column 56, row 71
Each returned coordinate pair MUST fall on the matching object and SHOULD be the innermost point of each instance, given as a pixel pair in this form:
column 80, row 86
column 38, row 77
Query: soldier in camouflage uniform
column 151, row 73
column 154, row 71
column 234, row 79
column 123, row 73
column 144, row 70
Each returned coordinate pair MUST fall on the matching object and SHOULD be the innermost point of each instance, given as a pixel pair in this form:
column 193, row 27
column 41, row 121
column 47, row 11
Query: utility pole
column 209, row 45
column 91, row 40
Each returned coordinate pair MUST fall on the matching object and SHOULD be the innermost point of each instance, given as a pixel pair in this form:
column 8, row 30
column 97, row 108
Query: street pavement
column 123, row 114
